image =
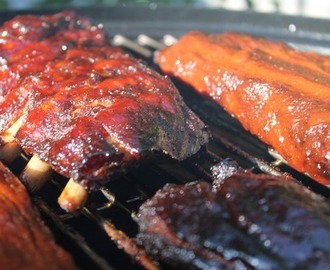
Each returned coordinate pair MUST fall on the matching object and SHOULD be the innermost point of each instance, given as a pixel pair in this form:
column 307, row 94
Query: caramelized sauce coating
column 30, row 49
column 109, row 109
column 276, row 92
column 89, row 109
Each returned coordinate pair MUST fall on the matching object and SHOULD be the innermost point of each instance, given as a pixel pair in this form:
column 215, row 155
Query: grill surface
column 84, row 234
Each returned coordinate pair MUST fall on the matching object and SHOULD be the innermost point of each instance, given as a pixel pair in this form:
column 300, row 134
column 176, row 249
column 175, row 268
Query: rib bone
column 35, row 174
column 73, row 196
column 9, row 149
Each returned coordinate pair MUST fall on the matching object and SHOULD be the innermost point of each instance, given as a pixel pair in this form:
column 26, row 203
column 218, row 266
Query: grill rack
column 113, row 207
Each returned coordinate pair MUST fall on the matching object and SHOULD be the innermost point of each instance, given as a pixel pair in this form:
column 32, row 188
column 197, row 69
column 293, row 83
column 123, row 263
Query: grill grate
column 89, row 234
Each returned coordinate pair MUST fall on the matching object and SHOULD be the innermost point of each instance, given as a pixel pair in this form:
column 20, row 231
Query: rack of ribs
column 25, row 241
column 240, row 221
column 278, row 93
column 29, row 47
column 87, row 109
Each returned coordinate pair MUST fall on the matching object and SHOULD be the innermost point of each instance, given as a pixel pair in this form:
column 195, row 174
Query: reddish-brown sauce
column 31, row 48
column 89, row 109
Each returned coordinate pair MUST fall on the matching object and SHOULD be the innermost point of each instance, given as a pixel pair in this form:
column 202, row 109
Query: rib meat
column 116, row 113
column 245, row 221
column 276, row 92
column 25, row 242
column 30, row 51
column 90, row 109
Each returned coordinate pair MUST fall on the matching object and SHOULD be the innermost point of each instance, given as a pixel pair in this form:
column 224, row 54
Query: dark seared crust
column 277, row 93
column 245, row 222
column 89, row 109
column 25, row 242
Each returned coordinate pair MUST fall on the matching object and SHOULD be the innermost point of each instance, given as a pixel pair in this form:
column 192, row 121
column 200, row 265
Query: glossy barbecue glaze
column 277, row 93
column 31, row 49
column 110, row 110
column 89, row 109
column 245, row 221
column 25, row 242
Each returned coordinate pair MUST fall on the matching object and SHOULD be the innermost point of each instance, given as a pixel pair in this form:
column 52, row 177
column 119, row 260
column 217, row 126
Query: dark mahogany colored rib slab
column 246, row 221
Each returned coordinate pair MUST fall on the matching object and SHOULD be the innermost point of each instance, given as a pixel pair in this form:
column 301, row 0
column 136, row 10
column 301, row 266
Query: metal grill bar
column 72, row 235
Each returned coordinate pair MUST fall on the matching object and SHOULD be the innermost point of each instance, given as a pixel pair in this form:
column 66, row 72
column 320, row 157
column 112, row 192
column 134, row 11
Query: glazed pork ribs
column 277, row 93
column 25, row 242
column 30, row 48
column 93, row 110
column 241, row 221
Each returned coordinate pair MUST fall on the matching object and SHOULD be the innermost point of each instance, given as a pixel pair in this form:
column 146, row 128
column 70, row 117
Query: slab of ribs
column 25, row 241
column 240, row 221
column 86, row 108
column 278, row 93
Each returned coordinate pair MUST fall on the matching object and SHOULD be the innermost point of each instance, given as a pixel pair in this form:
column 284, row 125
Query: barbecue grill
column 142, row 30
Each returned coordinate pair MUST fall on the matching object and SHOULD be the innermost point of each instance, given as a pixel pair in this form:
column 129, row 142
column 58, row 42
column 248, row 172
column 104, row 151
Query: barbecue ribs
column 25, row 242
column 276, row 92
column 31, row 49
column 245, row 221
column 89, row 109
